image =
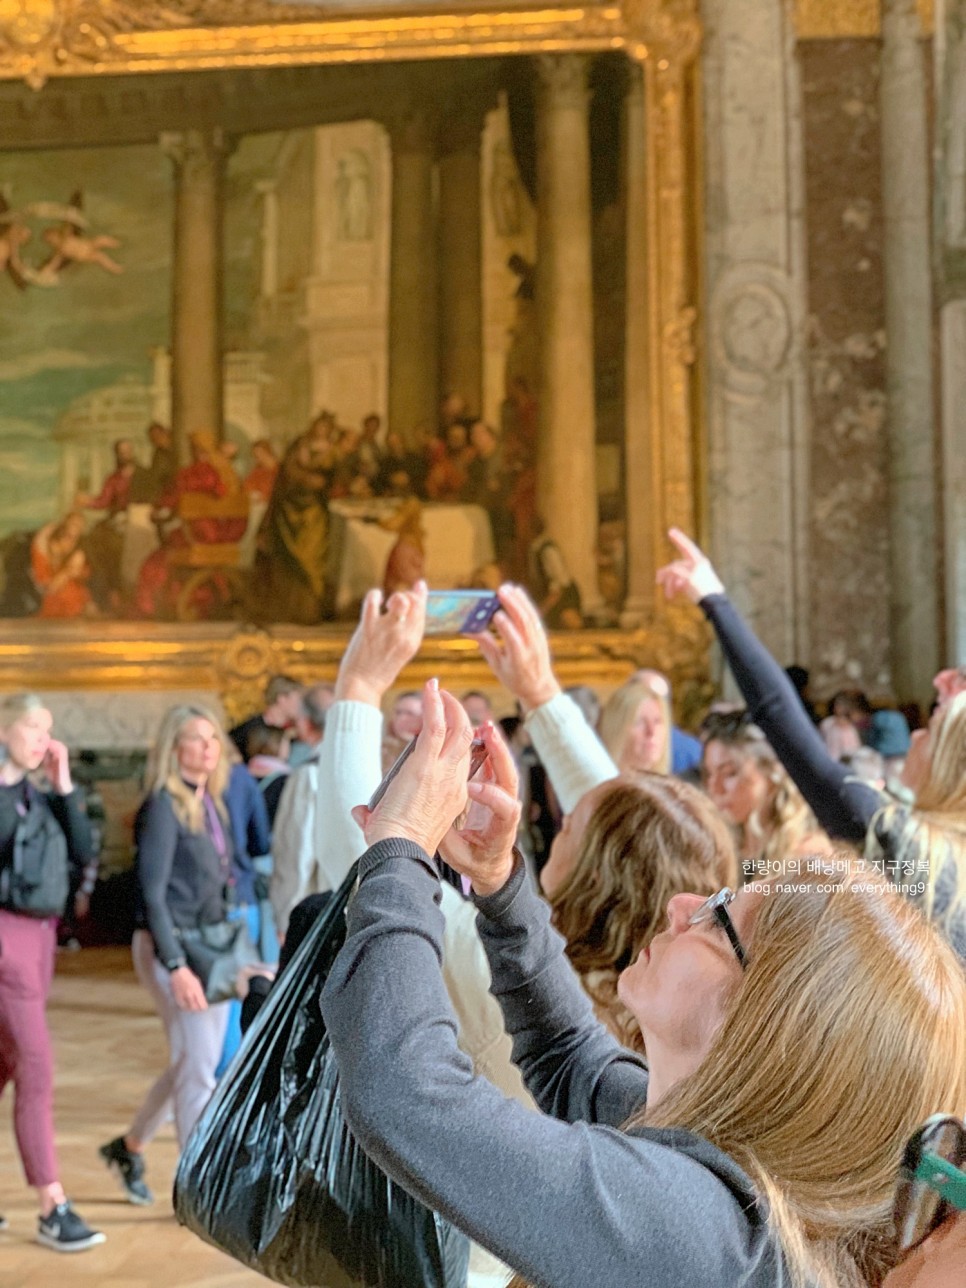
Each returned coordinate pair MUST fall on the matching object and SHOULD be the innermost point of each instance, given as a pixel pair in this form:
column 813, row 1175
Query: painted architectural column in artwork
column 639, row 458
column 413, row 329
column 910, row 395
column 566, row 463
column 197, row 381
column 460, row 261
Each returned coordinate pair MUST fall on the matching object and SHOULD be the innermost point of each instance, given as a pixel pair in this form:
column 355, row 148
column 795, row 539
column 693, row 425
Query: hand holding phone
column 478, row 754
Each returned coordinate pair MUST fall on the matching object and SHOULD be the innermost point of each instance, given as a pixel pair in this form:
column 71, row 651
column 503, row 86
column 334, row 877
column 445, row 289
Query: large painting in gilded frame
column 55, row 56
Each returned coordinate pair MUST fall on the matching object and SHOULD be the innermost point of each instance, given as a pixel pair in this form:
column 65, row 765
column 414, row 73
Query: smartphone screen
column 459, row 612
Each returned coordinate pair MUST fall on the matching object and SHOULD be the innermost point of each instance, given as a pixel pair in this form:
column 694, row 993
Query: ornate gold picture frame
column 44, row 44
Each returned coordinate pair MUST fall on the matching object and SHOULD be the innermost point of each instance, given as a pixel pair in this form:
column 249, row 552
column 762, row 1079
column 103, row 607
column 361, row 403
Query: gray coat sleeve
column 566, row 1203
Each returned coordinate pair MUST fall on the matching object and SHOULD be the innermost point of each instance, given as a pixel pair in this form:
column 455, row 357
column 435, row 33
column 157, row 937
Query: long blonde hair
column 648, row 838
column 164, row 770
column 785, row 822
column 620, row 712
column 847, row 1030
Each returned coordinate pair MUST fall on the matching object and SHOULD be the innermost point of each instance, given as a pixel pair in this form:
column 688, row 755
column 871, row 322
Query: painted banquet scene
column 483, row 643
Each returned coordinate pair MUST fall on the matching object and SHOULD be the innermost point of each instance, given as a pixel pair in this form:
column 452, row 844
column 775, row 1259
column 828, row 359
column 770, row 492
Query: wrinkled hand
column 691, row 574
column 520, row 657
column 57, row 768
column 383, row 643
column 482, row 849
column 429, row 792
column 187, row 990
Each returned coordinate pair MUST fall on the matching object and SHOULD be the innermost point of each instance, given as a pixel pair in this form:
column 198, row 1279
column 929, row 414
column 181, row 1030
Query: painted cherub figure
column 72, row 244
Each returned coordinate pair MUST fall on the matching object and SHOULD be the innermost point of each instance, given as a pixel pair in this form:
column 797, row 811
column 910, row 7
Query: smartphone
column 478, row 755
column 459, row 612
column 928, row 1190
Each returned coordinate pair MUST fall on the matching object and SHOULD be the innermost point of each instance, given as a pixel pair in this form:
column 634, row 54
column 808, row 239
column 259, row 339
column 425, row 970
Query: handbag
column 216, row 953
column 273, row 1176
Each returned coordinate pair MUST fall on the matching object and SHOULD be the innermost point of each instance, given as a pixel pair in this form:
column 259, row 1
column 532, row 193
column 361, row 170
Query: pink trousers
column 27, row 947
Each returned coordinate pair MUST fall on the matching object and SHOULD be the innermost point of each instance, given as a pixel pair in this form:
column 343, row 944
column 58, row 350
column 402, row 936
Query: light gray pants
column 195, row 1040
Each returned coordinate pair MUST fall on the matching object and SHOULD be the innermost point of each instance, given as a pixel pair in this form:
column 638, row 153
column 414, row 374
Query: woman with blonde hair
column 184, row 874
column 45, row 839
column 921, row 847
column 749, row 786
column 795, row 1040
column 635, row 724
column 628, row 848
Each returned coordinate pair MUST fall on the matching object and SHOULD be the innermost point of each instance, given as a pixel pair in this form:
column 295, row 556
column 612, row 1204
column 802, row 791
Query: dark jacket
column 250, row 828
column 53, row 836
column 181, row 879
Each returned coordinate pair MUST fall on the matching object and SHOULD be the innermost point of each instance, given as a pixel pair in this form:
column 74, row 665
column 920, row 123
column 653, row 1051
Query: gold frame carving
column 44, row 40
column 842, row 19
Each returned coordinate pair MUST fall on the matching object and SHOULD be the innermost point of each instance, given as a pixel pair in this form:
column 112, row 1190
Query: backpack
column 36, row 881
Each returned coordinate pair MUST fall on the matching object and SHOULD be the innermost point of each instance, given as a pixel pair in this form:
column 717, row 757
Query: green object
column 945, row 1178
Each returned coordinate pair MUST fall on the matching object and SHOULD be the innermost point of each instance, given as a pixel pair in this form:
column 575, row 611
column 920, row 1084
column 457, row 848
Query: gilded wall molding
column 831, row 19
column 45, row 40
column 235, row 662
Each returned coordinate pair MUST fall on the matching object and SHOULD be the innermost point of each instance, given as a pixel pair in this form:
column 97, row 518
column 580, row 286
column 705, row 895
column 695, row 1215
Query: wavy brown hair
column 649, row 837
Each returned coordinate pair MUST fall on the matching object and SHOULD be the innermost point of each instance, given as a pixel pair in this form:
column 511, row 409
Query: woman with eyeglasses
column 921, row 847
column 761, row 1143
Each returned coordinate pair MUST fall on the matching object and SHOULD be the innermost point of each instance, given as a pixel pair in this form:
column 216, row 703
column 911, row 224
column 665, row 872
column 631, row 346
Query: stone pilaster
column 197, row 382
column 460, row 262
column 413, row 390
column 566, row 464
column 757, row 385
column 950, row 82
column 913, row 498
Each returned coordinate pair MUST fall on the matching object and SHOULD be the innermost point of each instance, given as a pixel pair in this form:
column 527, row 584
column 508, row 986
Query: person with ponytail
column 795, row 1040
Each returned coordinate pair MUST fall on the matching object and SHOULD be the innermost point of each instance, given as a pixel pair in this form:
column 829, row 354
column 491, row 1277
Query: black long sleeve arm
column 842, row 804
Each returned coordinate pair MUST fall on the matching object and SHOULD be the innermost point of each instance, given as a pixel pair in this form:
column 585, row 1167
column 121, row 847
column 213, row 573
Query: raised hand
column 429, row 791
column 520, row 654
column 691, row 574
column 483, row 848
column 57, row 768
column 383, row 643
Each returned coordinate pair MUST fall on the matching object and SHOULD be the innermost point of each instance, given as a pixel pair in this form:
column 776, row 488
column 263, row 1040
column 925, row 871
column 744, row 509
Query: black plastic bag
column 271, row 1173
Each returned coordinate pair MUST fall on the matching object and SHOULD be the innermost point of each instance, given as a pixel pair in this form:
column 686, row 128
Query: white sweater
column 349, row 770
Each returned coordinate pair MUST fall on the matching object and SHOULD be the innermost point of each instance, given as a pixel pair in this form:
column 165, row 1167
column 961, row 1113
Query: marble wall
column 848, row 520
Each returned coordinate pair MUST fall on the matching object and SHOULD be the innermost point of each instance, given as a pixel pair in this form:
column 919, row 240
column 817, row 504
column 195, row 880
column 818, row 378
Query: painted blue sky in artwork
column 93, row 329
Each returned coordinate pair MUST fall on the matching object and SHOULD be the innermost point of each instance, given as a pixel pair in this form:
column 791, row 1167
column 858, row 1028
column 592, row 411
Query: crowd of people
column 647, row 973
column 83, row 563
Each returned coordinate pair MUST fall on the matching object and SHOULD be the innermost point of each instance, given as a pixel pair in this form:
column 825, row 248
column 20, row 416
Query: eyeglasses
column 716, row 909
column 932, row 1182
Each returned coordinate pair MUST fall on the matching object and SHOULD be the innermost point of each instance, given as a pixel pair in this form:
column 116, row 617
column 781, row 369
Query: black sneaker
column 129, row 1170
column 64, row 1231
